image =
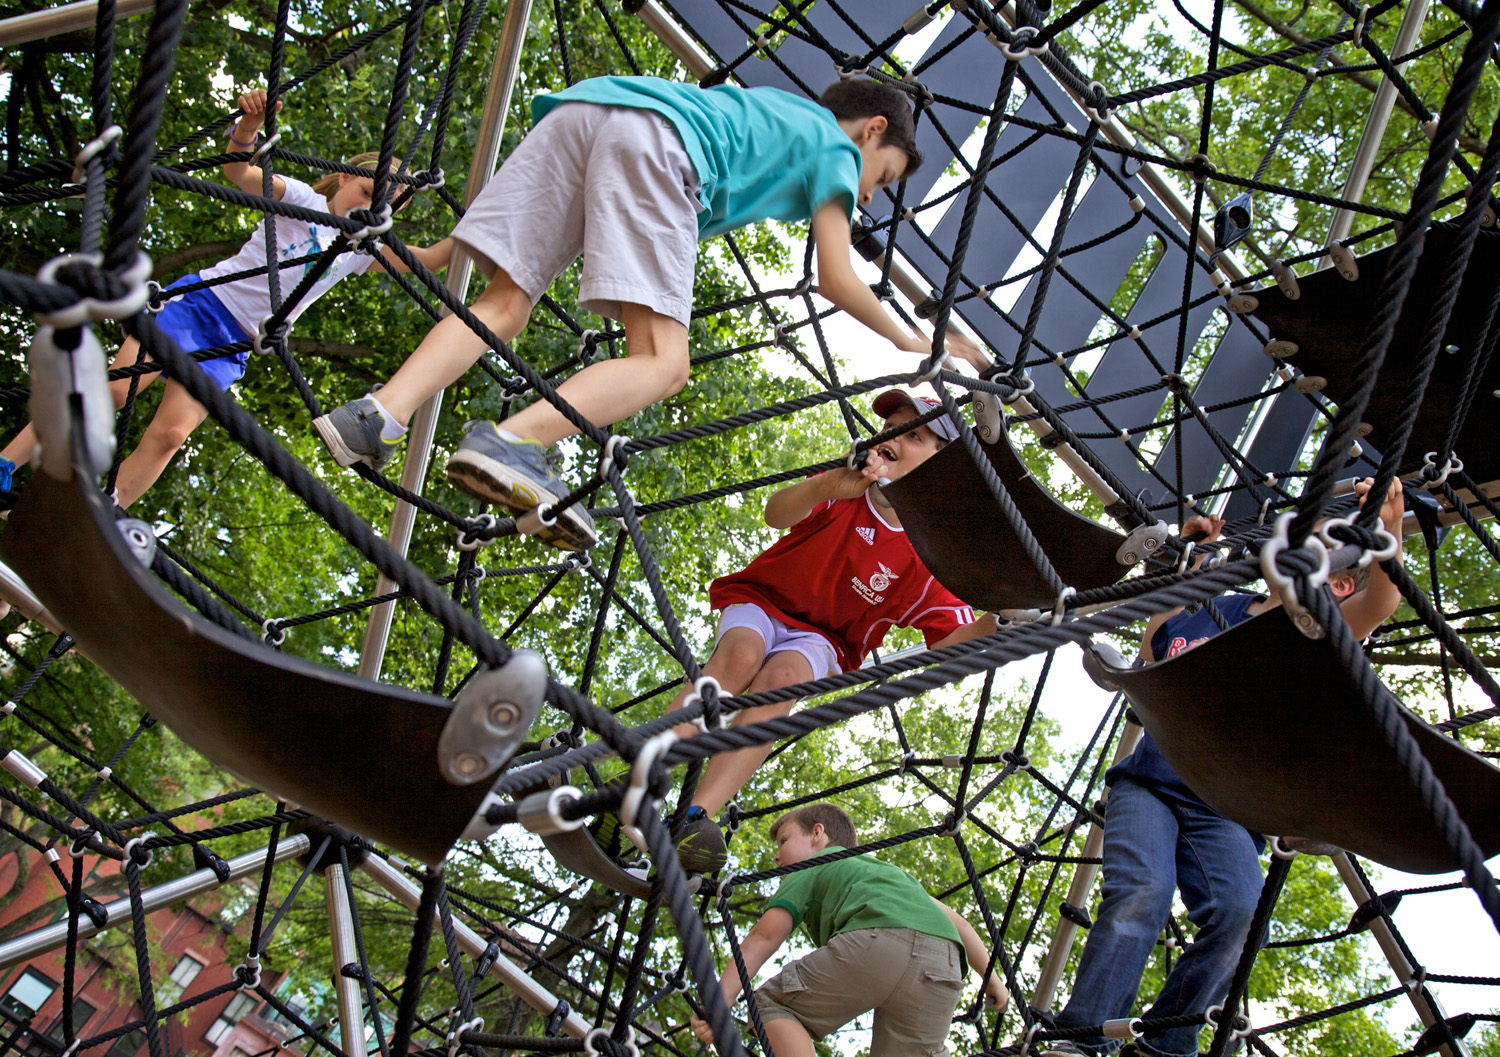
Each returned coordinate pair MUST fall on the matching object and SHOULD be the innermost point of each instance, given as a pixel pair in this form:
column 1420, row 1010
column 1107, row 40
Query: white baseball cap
column 888, row 401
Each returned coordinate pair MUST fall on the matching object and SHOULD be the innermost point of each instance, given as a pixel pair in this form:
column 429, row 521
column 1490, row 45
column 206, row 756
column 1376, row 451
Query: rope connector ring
column 613, row 457
column 94, row 147
column 248, row 972
column 1359, row 26
column 588, row 346
column 1024, row 387
column 1280, row 849
column 456, row 1036
column 154, row 303
column 593, row 1040
column 541, row 812
column 1284, row 585
column 88, row 309
column 272, row 633
column 1061, row 605
column 696, row 697
column 135, row 844
column 1099, row 108
column 1433, row 476
column 266, row 339
column 577, row 561
column 934, row 366
column 260, row 152
column 430, row 178
column 640, row 776
column 476, row 535
column 1018, row 47
column 363, row 238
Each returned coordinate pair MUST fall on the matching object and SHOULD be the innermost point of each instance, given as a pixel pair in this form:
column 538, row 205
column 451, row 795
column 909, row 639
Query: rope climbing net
column 1130, row 343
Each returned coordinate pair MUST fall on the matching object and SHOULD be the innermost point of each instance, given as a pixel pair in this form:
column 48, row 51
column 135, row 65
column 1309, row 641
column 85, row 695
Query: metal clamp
column 936, row 366
column 272, row 633
column 541, row 812
column 1344, row 261
column 1285, row 585
column 1433, row 476
column 88, row 309
column 471, row 539
column 592, row 1041
column 635, row 792
column 1286, row 280
column 1359, row 26
column 264, row 338
column 93, row 147
column 1061, row 605
column 613, row 455
column 456, row 1036
column 1141, row 542
column 1099, row 109
column 490, row 717
column 588, row 345
column 131, row 846
column 703, row 682
column 1017, row 48
column 361, row 239
column 533, row 521
column 260, row 152
column 58, row 375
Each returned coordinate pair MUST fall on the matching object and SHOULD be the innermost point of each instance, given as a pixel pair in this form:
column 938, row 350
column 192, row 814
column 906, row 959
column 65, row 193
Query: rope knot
column 1199, row 167
column 98, row 294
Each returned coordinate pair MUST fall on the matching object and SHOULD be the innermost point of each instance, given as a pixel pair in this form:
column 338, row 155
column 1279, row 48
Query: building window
column 27, row 995
column 127, row 1045
column 236, row 1008
column 82, row 1011
column 183, row 973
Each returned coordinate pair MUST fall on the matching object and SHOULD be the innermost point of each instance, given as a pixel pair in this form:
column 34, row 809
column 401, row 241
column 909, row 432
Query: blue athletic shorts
column 198, row 320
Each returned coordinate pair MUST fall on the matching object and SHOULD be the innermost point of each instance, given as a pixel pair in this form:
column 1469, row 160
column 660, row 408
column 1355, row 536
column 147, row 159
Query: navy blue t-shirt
column 1146, row 765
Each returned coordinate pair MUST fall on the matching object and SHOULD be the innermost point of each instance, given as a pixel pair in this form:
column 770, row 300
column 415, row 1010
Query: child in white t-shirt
column 228, row 313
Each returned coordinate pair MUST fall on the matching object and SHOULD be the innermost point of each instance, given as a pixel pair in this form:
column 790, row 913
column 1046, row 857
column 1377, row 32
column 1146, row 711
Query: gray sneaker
column 518, row 475
column 352, row 434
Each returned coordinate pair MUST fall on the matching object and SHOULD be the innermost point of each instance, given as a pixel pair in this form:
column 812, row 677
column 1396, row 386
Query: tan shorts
column 612, row 183
column 910, row 979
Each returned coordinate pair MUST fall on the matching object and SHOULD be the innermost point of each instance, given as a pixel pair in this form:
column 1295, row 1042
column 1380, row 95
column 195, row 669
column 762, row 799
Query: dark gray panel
column 1278, row 442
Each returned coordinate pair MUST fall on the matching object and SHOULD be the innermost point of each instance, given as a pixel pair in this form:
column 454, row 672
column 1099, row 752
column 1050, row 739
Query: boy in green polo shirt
column 883, row 944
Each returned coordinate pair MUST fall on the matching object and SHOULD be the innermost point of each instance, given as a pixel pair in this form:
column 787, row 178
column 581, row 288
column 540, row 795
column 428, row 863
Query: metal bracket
column 1142, row 542
column 58, row 375
column 141, row 539
column 490, row 718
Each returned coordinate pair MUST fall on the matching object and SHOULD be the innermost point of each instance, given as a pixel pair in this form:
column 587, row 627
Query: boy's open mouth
column 885, row 452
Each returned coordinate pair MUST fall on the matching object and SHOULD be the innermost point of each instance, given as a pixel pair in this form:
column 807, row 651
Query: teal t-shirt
column 760, row 153
column 860, row 892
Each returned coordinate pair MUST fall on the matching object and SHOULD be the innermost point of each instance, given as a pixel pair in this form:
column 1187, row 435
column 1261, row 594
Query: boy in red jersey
column 820, row 599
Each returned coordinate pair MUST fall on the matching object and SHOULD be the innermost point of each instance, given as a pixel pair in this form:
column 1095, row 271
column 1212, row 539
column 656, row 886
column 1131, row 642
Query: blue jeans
column 1153, row 846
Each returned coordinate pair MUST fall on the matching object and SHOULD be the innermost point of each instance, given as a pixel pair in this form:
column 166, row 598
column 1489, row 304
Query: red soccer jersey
column 843, row 572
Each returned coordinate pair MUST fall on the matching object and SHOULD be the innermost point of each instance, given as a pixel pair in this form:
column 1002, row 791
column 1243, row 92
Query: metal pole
column 423, row 423
column 532, row 993
column 14, row 590
column 50, row 21
column 1423, row 1000
column 1078, row 892
column 40, row 941
column 1375, row 124
column 345, row 955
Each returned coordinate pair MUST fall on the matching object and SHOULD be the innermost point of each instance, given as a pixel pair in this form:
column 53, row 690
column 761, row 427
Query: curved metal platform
column 954, row 523
column 577, row 850
column 1328, row 325
column 362, row 754
column 1271, row 730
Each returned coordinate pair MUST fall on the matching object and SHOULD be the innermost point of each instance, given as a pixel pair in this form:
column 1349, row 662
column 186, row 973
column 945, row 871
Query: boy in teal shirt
column 632, row 172
column 883, row 944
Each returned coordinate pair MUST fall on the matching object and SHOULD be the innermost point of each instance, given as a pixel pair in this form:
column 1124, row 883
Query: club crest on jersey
column 879, row 581
column 866, row 533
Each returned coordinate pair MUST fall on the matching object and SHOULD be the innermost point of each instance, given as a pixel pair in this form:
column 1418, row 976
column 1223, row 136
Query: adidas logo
column 866, row 533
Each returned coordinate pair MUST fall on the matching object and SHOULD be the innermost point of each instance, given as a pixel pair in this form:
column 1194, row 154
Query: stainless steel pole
column 50, row 937
column 345, row 953
column 504, row 970
column 1375, row 124
column 423, row 424
column 1429, row 1010
column 50, row 21
column 1078, row 893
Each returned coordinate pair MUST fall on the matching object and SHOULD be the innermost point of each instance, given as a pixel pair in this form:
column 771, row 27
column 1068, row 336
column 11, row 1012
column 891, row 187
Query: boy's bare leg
column 728, row 772
column 451, row 348
column 789, row 1038
column 175, row 419
column 23, row 444
column 736, row 661
column 655, row 368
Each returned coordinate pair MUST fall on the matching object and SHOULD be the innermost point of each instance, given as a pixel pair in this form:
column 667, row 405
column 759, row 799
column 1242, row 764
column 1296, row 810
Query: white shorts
column 780, row 638
column 612, row 183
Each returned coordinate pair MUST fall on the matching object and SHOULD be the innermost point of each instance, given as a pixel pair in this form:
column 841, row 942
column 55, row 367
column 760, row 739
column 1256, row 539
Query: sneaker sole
column 494, row 482
column 341, row 452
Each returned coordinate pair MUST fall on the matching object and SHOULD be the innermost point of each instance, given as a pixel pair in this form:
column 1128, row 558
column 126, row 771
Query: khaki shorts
column 910, row 979
column 612, row 183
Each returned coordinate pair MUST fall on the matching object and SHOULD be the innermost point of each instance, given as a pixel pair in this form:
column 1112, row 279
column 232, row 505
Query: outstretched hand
column 1202, row 528
column 844, row 483
column 702, row 1030
column 1392, row 508
column 253, row 103
column 958, row 346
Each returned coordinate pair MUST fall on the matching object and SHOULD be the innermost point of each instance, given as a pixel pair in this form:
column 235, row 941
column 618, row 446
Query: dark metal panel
column 1271, row 729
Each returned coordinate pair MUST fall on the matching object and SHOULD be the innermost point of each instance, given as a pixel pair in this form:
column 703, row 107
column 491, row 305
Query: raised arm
column 840, row 285
column 762, row 941
column 978, row 954
column 242, row 137
column 987, row 624
column 434, row 258
column 1201, row 528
